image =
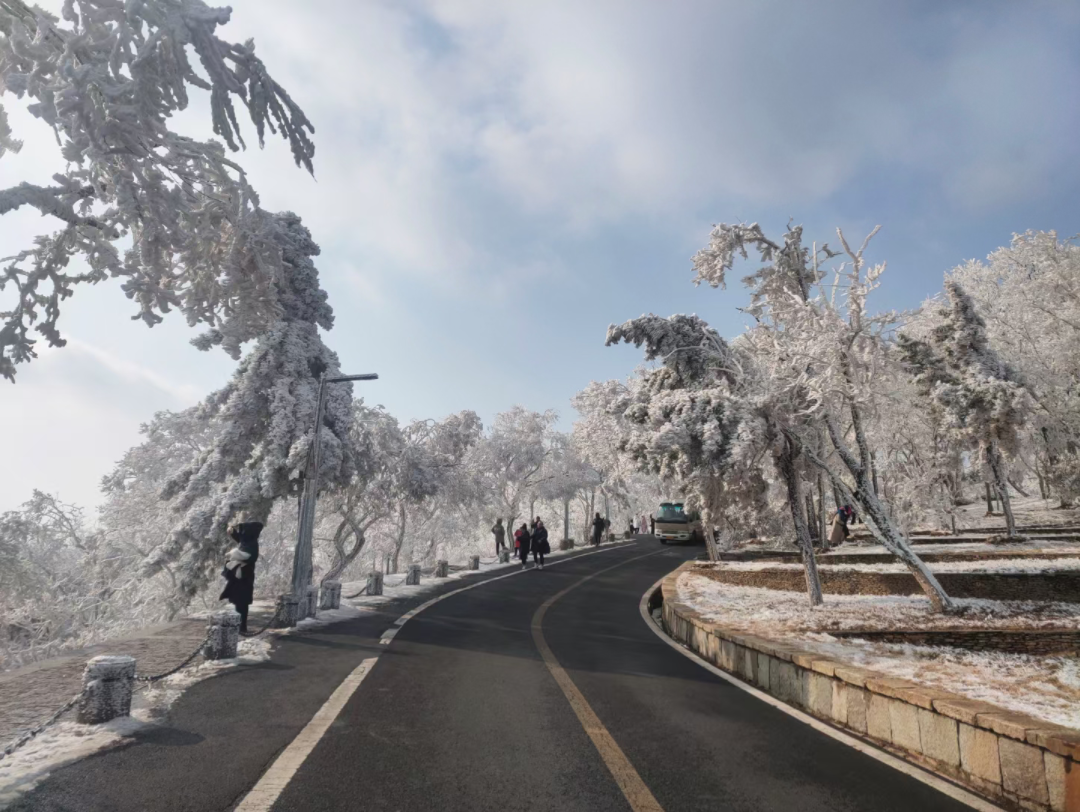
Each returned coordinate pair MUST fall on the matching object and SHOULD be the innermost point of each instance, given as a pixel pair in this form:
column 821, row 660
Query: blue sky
column 496, row 182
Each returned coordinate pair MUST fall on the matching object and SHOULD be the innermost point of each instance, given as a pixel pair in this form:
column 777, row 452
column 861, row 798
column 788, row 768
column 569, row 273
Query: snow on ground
column 1027, row 510
column 1039, row 548
column 1027, row 566
column 69, row 741
column 1044, row 687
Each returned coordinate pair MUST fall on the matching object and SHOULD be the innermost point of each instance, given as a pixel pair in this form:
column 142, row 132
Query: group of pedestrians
column 529, row 538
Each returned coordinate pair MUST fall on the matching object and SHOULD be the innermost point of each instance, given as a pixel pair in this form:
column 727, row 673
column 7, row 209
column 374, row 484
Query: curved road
column 541, row 691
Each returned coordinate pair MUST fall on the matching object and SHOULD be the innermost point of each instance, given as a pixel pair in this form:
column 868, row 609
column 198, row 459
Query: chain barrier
column 269, row 623
column 30, row 734
column 190, row 658
column 357, row 595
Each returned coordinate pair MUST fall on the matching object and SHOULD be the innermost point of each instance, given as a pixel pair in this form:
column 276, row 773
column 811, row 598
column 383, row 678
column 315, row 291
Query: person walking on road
column 522, row 541
column 500, row 535
column 652, row 525
column 540, row 545
column 598, row 526
column 239, row 569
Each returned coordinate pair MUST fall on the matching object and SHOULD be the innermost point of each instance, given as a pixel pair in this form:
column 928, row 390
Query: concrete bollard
column 566, row 544
column 413, row 576
column 311, row 598
column 107, row 683
column 224, row 635
column 331, row 595
column 504, row 556
column 374, row 583
column 442, row 568
column 474, row 562
column 288, row 607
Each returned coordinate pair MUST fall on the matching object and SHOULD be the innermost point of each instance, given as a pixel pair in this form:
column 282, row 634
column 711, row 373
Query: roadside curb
column 1016, row 760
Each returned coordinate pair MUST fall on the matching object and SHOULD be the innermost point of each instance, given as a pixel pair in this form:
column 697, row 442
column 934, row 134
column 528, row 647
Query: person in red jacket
column 523, row 542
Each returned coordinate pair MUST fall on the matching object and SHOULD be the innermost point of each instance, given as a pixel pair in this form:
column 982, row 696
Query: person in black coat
column 598, row 527
column 540, row 545
column 239, row 569
column 523, row 539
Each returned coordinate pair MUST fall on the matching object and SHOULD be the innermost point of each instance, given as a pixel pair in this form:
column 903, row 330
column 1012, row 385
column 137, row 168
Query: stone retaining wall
column 1016, row 760
column 1058, row 586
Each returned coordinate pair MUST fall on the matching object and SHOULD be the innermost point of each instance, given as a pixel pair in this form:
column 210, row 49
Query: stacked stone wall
column 1018, row 761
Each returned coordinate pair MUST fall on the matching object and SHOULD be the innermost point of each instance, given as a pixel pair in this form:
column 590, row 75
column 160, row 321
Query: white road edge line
column 265, row 793
column 946, row 787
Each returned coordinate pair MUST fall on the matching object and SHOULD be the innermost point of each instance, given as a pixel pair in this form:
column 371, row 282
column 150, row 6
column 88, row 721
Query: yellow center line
column 631, row 784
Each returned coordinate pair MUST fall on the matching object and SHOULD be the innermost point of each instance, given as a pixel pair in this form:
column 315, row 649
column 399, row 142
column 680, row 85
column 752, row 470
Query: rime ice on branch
column 107, row 79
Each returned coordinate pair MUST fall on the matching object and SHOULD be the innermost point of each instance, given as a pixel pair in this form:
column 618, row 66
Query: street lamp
column 302, row 565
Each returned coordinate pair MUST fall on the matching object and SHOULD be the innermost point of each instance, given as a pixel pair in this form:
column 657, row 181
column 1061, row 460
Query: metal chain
column 28, row 735
column 184, row 664
column 357, row 595
column 269, row 623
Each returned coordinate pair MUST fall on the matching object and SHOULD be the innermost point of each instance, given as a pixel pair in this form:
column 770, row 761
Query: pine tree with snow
column 265, row 416
column 982, row 399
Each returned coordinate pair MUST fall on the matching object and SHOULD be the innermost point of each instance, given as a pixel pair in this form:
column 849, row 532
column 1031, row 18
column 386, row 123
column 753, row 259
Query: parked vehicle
column 674, row 523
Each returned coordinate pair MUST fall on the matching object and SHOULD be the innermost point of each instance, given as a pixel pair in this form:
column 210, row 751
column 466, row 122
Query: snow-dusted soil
column 1038, row 548
column 69, row 741
column 1044, row 687
column 1027, row 510
column 1028, row 566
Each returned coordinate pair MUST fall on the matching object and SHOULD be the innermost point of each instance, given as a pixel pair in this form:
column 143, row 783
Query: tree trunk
column 875, row 516
column 566, row 519
column 1001, row 485
column 989, row 500
column 1016, row 487
column 400, row 540
column 873, row 473
column 822, row 513
column 785, row 463
column 811, row 516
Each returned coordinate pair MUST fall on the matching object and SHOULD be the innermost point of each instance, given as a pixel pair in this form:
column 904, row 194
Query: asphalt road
column 462, row 713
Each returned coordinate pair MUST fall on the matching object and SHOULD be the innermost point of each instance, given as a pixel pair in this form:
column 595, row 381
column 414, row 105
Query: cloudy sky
column 496, row 182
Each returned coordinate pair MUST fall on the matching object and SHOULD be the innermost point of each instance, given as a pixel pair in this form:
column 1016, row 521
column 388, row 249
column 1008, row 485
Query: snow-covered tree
column 682, row 418
column 981, row 398
column 171, row 216
column 264, row 417
column 1028, row 294
column 430, row 453
column 820, row 355
column 509, row 460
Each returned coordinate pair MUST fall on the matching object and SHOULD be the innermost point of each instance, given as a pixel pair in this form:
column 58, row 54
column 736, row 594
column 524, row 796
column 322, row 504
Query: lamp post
column 302, row 566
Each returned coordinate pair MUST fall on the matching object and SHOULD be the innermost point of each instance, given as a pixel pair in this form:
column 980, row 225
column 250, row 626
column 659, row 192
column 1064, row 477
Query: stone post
column 442, row 568
column 289, row 614
column 107, row 683
column 331, row 595
column 413, row 576
column 474, row 562
column 566, row 544
column 504, row 556
column 374, row 583
column 224, row 635
column 311, row 597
